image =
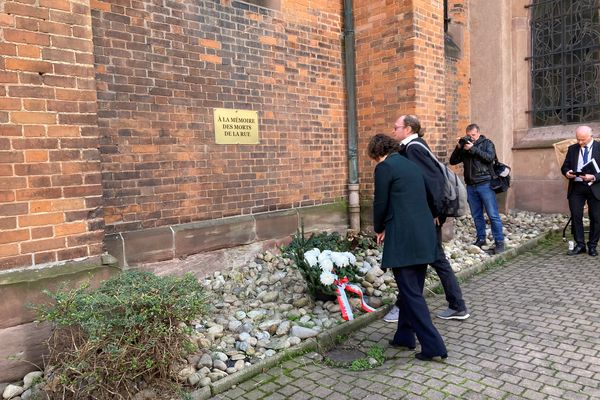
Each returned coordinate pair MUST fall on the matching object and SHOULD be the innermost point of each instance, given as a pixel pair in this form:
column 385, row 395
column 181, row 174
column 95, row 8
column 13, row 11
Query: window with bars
column 565, row 61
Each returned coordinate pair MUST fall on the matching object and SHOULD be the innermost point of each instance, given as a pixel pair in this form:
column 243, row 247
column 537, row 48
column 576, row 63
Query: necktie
column 586, row 153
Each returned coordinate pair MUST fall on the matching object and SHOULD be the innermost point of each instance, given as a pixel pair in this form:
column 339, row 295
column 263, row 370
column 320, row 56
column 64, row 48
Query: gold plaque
column 236, row 126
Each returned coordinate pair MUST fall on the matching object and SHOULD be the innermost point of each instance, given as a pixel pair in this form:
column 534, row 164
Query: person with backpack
column 478, row 153
column 407, row 130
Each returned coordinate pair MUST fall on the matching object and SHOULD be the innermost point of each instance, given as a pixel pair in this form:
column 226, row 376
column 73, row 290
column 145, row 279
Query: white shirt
column 409, row 138
column 580, row 163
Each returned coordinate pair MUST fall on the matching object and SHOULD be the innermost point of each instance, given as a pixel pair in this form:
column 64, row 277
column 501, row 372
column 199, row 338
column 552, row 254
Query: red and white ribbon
column 342, row 286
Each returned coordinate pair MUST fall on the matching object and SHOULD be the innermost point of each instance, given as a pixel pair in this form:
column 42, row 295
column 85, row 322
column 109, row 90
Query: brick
column 72, row 43
column 13, row 209
column 36, row 156
column 9, row 250
column 8, row 49
column 64, row 5
column 68, row 204
column 43, row 245
column 8, row 223
column 40, row 193
column 33, row 117
column 29, row 51
column 7, row 196
column 7, row 76
column 15, row 236
column 41, row 219
column 19, row 36
column 10, row 104
column 38, row 182
column 39, row 206
column 13, row 262
column 10, row 157
column 42, row 232
column 34, row 105
column 45, row 257
column 26, row 10
column 70, row 229
column 41, row 67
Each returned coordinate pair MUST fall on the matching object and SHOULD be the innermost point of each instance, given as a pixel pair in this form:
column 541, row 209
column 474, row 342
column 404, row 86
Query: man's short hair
column 470, row 127
column 414, row 123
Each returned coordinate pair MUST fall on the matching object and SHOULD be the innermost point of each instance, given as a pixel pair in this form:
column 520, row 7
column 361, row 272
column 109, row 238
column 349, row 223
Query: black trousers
column 414, row 318
column 581, row 194
column 447, row 277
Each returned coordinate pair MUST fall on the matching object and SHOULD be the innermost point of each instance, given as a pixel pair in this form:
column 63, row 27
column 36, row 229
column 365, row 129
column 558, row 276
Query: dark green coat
column 400, row 208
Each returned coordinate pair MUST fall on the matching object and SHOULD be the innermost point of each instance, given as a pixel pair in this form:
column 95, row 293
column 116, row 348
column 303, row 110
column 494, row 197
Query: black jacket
column 570, row 164
column 433, row 175
column 477, row 161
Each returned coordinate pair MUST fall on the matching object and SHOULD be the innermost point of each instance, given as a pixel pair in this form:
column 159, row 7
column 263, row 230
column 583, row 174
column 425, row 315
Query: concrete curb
column 328, row 339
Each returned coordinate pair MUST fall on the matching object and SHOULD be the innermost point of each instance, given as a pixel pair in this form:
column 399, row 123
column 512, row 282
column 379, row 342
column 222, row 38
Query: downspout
column 350, row 74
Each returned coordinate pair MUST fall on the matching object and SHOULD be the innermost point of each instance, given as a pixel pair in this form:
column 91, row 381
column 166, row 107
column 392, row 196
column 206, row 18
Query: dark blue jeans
column 481, row 197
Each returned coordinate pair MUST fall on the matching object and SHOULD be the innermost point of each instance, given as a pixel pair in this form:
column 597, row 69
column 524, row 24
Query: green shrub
column 108, row 340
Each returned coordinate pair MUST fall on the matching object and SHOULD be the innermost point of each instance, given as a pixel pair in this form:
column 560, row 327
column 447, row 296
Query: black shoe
column 423, row 357
column 577, row 250
column 592, row 251
column 400, row 345
column 480, row 242
column 498, row 248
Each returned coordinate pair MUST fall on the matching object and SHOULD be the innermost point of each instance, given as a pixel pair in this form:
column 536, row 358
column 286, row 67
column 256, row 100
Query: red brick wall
column 458, row 73
column 50, row 190
column 160, row 72
column 400, row 70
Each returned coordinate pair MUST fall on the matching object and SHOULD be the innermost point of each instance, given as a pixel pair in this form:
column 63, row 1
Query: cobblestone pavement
column 534, row 333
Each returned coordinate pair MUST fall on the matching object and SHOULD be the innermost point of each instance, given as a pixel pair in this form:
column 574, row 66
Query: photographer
column 477, row 153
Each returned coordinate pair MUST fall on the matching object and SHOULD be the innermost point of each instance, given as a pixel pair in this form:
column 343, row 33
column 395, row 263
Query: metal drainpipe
column 350, row 73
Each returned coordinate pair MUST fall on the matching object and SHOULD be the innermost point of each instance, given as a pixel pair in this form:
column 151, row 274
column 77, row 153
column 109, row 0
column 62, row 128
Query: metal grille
column 565, row 61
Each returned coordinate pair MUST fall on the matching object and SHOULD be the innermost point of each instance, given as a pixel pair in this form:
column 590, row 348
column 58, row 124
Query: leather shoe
column 400, row 345
column 592, row 251
column 480, row 242
column 423, row 357
column 577, row 250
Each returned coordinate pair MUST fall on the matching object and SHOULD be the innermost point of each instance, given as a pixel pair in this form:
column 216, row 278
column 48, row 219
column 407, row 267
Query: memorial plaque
column 236, row 126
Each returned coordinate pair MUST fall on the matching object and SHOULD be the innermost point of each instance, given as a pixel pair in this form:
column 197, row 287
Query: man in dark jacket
column 583, row 187
column 477, row 153
column 404, row 224
column 407, row 130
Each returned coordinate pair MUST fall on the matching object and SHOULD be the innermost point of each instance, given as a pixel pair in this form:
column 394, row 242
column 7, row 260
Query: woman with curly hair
column 403, row 222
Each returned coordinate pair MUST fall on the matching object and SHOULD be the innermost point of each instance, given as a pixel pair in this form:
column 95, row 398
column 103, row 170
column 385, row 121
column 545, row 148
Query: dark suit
column 579, row 193
column 400, row 209
column 434, row 183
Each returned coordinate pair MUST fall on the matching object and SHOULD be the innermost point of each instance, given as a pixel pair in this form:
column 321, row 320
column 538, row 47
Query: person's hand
column 468, row 146
column 570, row 174
column 588, row 178
column 380, row 237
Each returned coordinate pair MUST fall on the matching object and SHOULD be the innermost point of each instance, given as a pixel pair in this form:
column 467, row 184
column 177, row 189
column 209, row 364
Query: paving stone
column 533, row 334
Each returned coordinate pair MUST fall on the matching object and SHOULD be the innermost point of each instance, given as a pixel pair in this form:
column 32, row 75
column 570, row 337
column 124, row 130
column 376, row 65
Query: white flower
column 327, row 278
column 325, row 255
column 326, row 265
column 311, row 257
column 340, row 259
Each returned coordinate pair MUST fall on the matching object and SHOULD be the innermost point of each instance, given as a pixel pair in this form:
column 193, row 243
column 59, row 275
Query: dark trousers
column 447, row 278
column 580, row 194
column 414, row 318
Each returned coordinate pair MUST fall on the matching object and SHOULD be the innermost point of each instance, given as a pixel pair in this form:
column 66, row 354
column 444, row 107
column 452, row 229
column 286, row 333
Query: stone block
column 22, row 349
column 148, row 245
column 202, row 236
column 326, row 217
column 276, row 225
